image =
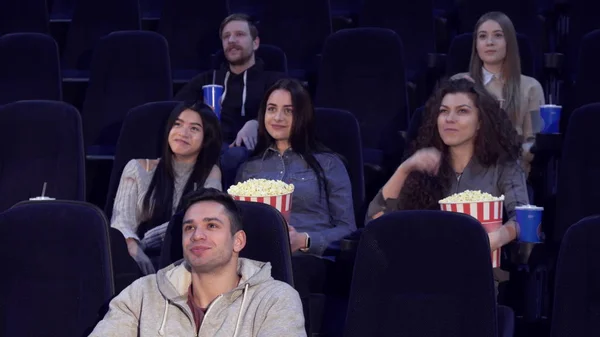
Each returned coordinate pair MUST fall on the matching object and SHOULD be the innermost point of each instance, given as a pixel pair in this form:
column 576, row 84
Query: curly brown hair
column 496, row 142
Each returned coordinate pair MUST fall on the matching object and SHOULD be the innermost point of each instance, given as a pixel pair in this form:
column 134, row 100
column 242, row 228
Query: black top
column 258, row 81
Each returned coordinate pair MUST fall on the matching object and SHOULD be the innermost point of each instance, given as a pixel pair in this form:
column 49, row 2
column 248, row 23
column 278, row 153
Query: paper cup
column 283, row 203
column 212, row 97
column 488, row 213
column 550, row 115
column 529, row 218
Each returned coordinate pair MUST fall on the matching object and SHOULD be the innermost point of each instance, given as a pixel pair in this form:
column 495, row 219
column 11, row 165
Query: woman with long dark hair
column 288, row 150
column 322, row 210
column 496, row 64
column 464, row 143
column 150, row 190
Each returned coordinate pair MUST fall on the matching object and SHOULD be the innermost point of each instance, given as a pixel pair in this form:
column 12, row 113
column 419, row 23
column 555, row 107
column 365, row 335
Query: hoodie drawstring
column 244, row 94
column 243, row 91
column 161, row 331
column 239, row 319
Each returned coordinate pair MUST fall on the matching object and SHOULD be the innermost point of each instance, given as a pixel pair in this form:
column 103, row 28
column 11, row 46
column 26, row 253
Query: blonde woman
column 495, row 63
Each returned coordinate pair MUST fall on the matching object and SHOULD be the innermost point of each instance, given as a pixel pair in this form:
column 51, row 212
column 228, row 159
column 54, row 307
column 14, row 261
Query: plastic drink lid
column 42, row 198
column 530, row 207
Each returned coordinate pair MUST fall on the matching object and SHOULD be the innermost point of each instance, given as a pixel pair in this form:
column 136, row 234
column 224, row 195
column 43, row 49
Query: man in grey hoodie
column 212, row 291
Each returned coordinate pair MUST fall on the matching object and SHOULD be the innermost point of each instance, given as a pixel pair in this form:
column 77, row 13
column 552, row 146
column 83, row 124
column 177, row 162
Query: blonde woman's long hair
column 511, row 68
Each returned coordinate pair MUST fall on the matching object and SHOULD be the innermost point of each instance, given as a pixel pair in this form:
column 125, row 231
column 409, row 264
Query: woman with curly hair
column 464, row 143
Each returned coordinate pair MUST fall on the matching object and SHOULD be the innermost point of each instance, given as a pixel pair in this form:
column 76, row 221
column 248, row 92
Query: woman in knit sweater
column 150, row 190
column 495, row 63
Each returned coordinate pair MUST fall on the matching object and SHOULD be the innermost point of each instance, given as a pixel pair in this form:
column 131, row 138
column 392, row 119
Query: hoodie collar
column 259, row 65
column 174, row 281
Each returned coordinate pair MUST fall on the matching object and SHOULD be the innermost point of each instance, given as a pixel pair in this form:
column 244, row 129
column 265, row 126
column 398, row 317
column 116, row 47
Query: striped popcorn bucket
column 283, row 203
column 489, row 213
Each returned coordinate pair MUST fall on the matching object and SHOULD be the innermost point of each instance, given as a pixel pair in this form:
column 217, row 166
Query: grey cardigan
column 506, row 179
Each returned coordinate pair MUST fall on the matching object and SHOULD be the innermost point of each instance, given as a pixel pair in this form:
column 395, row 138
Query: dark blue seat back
column 362, row 71
column 404, row 285
column 92, row 20
column 578, row 188
column 588, row 70
column 40, row 141
column 582, row 20
column 576, row 301
column 130, row 68
column 30, row 68
column 20, row 16
column 412, row 21
column 307, row 24
column 58, row 255
column 62, row 9
column 192, row 29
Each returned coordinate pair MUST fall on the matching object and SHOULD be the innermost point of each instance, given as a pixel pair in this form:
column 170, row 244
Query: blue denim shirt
column 325, row 221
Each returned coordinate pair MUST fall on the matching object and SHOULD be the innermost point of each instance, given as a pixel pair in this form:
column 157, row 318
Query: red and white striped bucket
column 283, row 203
column 489, row 213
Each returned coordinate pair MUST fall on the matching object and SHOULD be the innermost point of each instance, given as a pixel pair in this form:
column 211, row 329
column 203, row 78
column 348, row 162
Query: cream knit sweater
column 128, row 210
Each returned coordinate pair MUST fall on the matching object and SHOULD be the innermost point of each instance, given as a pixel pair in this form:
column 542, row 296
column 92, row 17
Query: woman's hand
column 503, row 235
column 466, row 77
column 494, row 238
column 297, row 240
column 425, row 160
column 137, row 253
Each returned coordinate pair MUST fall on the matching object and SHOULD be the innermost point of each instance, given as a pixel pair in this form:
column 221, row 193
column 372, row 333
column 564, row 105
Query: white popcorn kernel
column 260, row 188
column 471, row 196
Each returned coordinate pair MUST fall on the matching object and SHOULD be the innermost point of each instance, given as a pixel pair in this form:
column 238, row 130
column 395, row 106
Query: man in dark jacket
column 245, row 82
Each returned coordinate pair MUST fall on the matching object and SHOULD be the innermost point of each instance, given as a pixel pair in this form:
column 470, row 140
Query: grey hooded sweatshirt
column 156, row 305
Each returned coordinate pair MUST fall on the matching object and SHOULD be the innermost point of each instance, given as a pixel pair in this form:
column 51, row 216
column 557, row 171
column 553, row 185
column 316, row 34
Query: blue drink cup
column 550, row 114
column 529, row 218
column 212, row 97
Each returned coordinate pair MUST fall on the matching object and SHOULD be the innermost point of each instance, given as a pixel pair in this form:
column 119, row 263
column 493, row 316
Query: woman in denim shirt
column 287, row 150
column 322, row 210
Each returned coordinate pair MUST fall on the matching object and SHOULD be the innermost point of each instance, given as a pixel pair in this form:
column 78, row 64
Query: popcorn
column 482, row 206
column 260, row 188
column 471, row 196
column 275, row 193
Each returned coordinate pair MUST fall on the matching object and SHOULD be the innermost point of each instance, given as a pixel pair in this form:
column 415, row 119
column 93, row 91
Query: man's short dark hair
column 211, row 194
column 240, row 17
